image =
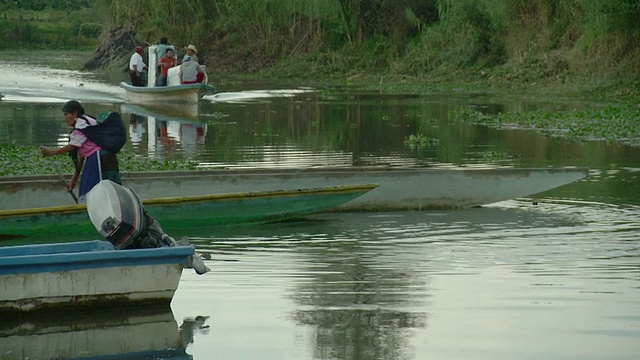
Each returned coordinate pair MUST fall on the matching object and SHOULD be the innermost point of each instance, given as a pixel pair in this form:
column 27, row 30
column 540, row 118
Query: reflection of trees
column 361, row 301
column 27, row 123
column 358, row 304
column 343, row 128
column 357, row 127
column 360, row 334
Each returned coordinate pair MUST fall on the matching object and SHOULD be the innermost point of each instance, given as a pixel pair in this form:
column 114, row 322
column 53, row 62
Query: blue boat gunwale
column 93, row 254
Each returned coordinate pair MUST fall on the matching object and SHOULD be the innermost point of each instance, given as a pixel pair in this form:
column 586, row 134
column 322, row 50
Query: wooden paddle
column 66, row 186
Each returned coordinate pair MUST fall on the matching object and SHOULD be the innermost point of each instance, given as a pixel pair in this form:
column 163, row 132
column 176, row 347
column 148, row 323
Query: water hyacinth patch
column 27, row 160
column 614, row 124
column 420, row 141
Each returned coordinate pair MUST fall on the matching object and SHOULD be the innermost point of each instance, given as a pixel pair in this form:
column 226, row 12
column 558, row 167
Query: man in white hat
column 191, row 52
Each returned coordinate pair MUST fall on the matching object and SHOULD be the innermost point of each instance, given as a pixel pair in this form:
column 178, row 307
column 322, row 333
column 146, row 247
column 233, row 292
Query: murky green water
column 513, row 280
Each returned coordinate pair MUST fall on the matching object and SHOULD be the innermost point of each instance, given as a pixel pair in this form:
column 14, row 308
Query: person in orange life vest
column 166, row 62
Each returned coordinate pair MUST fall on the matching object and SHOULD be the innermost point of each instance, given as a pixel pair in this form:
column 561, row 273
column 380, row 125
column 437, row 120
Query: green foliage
column 495, row 156
column 420, row 141
column 619, row 124
column 59, row 25
column 27, row 160
column 502, row 42
column 39, row 5
column 20, row 160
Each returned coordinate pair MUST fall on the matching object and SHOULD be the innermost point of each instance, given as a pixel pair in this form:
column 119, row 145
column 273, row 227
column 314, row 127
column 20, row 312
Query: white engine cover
column 116, row 212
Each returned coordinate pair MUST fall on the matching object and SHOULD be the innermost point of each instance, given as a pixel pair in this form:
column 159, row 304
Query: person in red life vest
column 166, row 62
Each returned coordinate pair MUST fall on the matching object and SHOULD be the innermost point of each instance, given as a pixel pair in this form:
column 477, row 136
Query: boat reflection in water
column 168, row 129
column 171, row 133
column 136, row 333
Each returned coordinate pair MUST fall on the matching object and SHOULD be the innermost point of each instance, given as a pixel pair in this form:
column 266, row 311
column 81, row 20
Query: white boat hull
column 178, row 94
column 87, row 274
column 399, row 189
column 145, row 284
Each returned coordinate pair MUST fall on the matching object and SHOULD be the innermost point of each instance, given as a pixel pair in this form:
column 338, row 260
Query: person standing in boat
column 95, row 162
column 137, row 67
column 190, row 71
column 161, row 49
column 167, row 62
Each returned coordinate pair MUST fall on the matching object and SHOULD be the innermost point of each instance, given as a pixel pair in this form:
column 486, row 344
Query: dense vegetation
column 57, row 24
column 502, row 42
column 558, row 44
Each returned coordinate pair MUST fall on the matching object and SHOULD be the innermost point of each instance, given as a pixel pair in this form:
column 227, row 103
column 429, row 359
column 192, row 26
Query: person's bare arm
column 61, row 150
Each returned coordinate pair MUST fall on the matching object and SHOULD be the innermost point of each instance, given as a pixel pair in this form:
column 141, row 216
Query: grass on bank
column 57, row 59
column 49, row 29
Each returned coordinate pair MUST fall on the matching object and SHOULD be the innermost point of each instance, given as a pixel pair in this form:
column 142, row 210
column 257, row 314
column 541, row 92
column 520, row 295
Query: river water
column 553, row 276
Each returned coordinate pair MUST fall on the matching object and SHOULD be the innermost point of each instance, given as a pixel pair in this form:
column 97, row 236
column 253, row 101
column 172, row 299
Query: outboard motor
column 118, row 215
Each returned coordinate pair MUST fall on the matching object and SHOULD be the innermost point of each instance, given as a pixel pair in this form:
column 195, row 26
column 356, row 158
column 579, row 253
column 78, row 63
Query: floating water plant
column 495, row 155
column 615, row 124
column 27, row 160
column 419, row 141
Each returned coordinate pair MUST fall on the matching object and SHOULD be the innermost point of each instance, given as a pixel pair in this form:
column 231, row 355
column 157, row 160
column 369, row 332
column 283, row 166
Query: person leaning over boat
column 99, row 164
column 137, row 66
column 167, row 62
column 190, row 71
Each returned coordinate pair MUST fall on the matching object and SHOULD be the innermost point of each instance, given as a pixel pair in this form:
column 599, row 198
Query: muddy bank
column 114, row 50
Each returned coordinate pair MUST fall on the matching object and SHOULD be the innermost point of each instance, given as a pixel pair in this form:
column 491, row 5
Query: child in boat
column 98, row 162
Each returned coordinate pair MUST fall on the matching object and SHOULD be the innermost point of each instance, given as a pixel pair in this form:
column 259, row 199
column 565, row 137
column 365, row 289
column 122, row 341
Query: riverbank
column 541, row 78
column 510, row 81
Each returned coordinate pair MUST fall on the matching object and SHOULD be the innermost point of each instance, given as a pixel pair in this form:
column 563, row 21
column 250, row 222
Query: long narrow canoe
column 195, row 211
column 399, row 189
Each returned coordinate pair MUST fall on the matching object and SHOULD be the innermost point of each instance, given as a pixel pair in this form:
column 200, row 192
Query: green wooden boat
column 188, row 211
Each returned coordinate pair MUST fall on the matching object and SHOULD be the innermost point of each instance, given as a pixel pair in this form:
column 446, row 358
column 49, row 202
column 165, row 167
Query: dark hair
column 72, row 106
column 163, row 40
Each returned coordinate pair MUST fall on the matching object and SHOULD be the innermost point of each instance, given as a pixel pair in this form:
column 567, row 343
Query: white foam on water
column 21, row 82
column 254, row 95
